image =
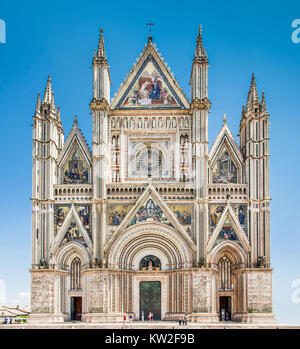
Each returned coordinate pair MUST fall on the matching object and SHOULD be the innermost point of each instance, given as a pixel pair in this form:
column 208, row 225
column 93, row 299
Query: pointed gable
column 73, row 229
column 150, row 212
column 150, row 208
column 150, row 85
column 228, row 229
column 225, row 158
column 75, row 161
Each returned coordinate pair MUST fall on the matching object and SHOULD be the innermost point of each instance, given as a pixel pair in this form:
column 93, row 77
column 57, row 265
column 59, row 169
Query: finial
column 49, row 96
column 75, row 121
column 224, row 119
column 101, row 56
column 150, row 24
column 200, row 53
column 252, row 94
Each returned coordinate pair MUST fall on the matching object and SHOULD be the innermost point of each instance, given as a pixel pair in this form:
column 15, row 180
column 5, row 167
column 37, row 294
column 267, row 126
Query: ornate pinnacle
column 200, row 53
column 49, row 96
column 252, row 94
column 75, row 123
column 263, row 102
column 38, row 104
column 224, row 119
column 100, row 56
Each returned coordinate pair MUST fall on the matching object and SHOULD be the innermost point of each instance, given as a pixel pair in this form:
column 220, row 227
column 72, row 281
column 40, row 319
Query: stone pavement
column 147, row 325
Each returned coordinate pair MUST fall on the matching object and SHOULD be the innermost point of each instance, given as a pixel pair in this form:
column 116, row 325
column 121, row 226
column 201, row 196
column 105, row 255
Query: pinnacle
column 100, row 55
column 75, row 123
column 38, row 104
column 200, row 52
column 252, row 94
column 48, row 96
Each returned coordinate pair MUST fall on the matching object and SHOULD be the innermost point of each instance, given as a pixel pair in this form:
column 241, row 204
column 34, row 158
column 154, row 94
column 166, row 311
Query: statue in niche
column 150, row 266
column 174, row 123
column 168, row 123
column 132, row 123
column 160, row 123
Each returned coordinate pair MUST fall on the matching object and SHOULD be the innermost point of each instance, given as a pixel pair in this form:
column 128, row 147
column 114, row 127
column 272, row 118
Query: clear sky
column 59, row 38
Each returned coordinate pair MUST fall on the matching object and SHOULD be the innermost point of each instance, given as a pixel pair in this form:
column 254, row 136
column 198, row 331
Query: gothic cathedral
column 150, row 219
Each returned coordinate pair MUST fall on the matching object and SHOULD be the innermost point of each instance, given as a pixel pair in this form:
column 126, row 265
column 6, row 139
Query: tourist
column 180, row 320
column 185, row 319
column 142, row 315
column 130, row 317
column 124, row 319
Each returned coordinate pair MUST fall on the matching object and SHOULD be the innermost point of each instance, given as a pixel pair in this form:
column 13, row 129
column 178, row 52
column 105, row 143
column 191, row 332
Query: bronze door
column 150, row 299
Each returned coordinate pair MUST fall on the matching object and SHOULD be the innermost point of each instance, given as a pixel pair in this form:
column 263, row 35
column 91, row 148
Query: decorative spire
column 100, row 55
column 48, row 96
column 224, row 119
column 75, row 123
column 252, row 94
column 38, row 104
column 200, row 53
column 263, row 102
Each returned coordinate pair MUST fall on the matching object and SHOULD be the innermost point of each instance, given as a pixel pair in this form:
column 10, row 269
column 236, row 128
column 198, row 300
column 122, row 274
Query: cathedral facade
column 151, row 219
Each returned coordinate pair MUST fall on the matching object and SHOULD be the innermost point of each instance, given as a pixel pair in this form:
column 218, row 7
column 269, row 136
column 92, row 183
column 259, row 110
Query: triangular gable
column 72, row 230
column 150, row 211
column 75, row 161
column 225, row 152
column 75, row 137
column 225, row 137
column 159, row 213
column 228, row 229
column 150, row 85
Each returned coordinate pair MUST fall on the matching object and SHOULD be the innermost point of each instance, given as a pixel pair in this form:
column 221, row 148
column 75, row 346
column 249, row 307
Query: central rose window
column 149, row 162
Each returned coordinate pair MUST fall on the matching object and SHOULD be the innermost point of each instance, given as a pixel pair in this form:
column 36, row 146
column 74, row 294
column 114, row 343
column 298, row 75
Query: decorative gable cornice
column 149, row 52
column 229, row 213
column 75, row 135
column 225, row 136
column 72, row 215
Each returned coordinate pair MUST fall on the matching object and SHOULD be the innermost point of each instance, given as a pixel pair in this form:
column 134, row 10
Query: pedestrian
column 10, row 320
column 143, row 315
column 124, row 318
column 5, row 320
column 180, row 320
column 185, row 321
column 130, row 318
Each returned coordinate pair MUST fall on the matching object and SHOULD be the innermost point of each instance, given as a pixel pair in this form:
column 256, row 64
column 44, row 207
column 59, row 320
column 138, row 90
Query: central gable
column 150, row 85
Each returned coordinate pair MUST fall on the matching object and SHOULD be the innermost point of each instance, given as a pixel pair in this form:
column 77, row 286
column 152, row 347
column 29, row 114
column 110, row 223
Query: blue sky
column 59, row 38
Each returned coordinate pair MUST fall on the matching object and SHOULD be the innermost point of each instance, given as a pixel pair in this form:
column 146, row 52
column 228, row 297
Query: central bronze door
column 150, row 299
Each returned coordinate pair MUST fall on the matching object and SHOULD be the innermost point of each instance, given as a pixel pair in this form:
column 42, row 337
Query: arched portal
column 229, row 259
column 148, row 254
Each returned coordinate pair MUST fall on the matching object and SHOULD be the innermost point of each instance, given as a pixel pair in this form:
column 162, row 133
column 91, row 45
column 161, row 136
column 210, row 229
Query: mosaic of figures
column 116, row 215
column 147, row 123
column 150, row 212
column 227, row 233
column 73, row 234
column 84, row 212
column 184, row 216
column 76, row 169
column 215, row 212
column 224, row 170
column 150, row 90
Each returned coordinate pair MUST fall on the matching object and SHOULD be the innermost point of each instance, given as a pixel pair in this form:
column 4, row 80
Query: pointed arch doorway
column 150, row 299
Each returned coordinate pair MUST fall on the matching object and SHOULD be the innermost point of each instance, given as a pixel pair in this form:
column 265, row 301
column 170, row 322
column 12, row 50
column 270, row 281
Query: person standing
column 185, row 320
column 124, row 319
column 142, row 315
column 180, row 320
